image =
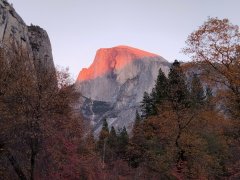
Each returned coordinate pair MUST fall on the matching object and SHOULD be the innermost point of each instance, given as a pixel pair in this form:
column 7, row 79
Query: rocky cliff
column 33, row 40
column 114, row 84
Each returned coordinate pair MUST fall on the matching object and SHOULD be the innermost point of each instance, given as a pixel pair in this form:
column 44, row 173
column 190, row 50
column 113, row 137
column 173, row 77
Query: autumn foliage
column 40, row 130
column 186, row 128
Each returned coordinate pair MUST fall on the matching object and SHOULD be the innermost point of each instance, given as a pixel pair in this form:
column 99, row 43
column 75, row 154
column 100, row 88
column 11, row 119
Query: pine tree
column 147, row 105
column 123, row 140
column 179, row 99
column 197, row 92
column 105, row 129
column 112, row 140
column 153, row 104
column 103, row 136
column 161, row 88
column 134, row 153
column 136, row 124
column 123, row 136
column 178, row 91
column 137, row 118
column 112, row 145
column 102, row 145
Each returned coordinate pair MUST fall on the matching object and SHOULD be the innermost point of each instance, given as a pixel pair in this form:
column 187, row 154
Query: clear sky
column 77, row 28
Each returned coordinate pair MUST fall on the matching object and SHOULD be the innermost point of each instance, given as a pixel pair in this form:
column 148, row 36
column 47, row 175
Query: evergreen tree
column 137, row 118
column 112, row 145
column 147, row 105
column 197, row 92
column 160, row 90
column 103, row 136
column 134, row 153
column 102, row 145
column 136, row 124
column 123, row 140
column 153, row 104
column 112, row 140
column 105, row 129
column 179, row 99
column 178, row 91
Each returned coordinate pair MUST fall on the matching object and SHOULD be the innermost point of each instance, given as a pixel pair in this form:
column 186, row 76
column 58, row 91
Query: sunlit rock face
column 114, row 84
column 108, row 59
column 32, row 40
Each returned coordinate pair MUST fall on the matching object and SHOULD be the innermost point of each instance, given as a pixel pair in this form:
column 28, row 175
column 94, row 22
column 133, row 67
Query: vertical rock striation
column 41, row 48
column 33, row 40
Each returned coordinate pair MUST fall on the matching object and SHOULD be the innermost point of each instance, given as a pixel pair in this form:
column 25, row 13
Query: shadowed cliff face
column 108, row 59
column 32, row 40
column 116, row 81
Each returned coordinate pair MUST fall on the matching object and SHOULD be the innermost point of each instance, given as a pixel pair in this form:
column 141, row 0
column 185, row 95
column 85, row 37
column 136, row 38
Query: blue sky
column 77, row 28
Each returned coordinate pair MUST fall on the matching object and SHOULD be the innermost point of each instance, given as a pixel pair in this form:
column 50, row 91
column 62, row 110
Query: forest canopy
column 187, row 127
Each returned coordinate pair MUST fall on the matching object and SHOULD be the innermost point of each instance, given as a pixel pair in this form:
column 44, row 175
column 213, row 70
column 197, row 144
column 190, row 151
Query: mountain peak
column 134, row 51
column 108, row 59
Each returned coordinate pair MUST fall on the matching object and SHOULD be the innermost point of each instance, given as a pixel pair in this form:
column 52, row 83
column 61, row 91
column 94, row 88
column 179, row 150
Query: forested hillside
column 188, row 126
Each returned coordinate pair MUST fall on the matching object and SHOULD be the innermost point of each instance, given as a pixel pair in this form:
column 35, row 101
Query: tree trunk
column 16, row 166
column 33, row 155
